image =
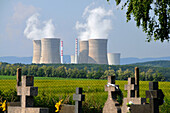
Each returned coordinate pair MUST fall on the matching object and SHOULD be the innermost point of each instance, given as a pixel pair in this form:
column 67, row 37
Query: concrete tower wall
column 72, row 59
column 98, row 51
column 50, row 51
column 83, row 51
column 36, row 51
column 113, row 58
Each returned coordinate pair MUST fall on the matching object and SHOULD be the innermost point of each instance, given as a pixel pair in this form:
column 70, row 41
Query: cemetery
column 133, row 103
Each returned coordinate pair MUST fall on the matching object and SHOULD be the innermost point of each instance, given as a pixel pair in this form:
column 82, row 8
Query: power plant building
column 72, row 59
column 113, row 58
column 97, row 51
column 83, row 52
column 50, row 51
column 36, row 51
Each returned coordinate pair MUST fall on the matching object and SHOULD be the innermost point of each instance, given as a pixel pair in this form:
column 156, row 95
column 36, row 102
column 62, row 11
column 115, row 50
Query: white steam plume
column 97, row 26
column 35, row 29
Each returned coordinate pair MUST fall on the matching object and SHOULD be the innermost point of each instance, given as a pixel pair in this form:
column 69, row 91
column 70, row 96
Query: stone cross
column 133, row 85
column 26, row 90
column 132, row 91
column 78, row 97
column 111, row 105
column 156, row 96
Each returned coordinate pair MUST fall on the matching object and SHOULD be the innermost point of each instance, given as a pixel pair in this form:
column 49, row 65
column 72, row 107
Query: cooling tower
column 36, row 51
column 72, row 59
column 97, row 51
column 83, row 51
column 50, row 51
column 113, row 58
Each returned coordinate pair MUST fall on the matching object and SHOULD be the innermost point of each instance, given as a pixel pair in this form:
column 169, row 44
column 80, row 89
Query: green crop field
column 58, row 88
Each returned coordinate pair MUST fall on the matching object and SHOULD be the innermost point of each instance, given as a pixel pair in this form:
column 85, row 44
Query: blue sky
column 124, row 38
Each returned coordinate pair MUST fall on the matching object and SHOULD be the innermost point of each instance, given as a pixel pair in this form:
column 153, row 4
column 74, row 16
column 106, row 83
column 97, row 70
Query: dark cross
column 156, row 96
column 78, row 97
column 112, row 90
column 27, row 91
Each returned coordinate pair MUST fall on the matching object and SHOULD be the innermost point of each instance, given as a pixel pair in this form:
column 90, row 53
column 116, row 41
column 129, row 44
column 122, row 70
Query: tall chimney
column 97, row 51
column 36, row 51
column 76, row 50
column 62, row 52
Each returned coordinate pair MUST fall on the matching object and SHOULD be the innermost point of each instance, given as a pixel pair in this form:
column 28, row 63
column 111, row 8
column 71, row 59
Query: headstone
column 77, row 108
column 26, row 90
column 111, row 105
column 132, row 92
column 155, row 95
column 156, row 99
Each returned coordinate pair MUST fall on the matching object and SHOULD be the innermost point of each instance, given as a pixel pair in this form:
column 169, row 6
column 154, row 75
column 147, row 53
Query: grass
column 57, row 88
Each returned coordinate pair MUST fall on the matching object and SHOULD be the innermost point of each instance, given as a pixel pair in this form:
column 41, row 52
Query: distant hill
column 67, row 60
column 13, row 59
column 26, row 60
column 132, row 60
column 161, row 63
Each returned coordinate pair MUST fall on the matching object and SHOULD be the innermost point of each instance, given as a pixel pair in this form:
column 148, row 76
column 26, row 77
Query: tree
column 152, row 15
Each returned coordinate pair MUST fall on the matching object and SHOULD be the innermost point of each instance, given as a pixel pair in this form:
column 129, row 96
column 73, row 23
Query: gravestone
column 132, row 92
column 26, row 90
column 156, row 97
column 77, row 108
column 111, row 105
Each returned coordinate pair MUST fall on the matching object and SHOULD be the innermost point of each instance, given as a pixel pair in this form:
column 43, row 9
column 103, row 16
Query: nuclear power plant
column 46, row 51
column 113, row 58
column 92, row 51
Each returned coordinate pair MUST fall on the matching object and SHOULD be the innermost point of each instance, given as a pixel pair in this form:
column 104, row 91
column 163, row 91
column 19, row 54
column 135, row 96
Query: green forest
column 89, row 71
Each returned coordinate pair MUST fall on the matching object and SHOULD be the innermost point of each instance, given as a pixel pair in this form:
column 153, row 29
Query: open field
column 58, row 88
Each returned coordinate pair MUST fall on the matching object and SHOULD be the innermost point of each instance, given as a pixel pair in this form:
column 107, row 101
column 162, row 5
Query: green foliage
column 164, row 63
column 151, row 15
column 86, row 71
column 52, row 90
column 165, row 108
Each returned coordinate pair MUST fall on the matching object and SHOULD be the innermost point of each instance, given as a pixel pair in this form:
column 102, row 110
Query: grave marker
column 111, row 105
column 26, row 90
column 77, row 108
column 132, row 92
column 156, row 99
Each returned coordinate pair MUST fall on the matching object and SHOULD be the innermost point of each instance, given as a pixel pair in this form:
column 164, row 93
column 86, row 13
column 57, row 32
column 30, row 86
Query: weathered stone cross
column 111, row 105
column 156, row 99
column 133, row 85
column 132, row 91
column 156, row 96
column 26, row 90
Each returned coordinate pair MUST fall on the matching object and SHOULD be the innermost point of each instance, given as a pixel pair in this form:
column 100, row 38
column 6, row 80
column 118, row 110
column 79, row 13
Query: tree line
column 65, row 72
